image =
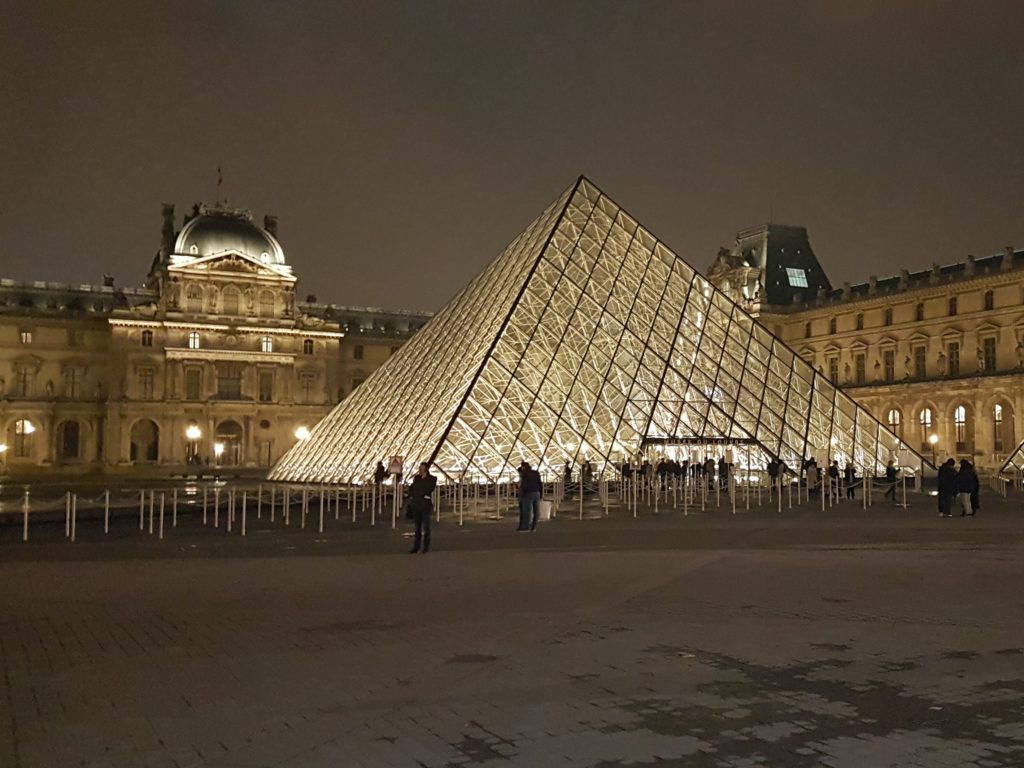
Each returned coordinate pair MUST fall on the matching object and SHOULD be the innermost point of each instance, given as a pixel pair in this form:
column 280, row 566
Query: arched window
column 307, row 346
column 997, row 426
column 193, row 298
column 926, row 419
column 895, row 420
column 960, row 427
column 23, row 431
column 266, row 304
column 229, row 301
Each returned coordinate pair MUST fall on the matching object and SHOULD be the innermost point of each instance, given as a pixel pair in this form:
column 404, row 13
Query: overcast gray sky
column 403, row 144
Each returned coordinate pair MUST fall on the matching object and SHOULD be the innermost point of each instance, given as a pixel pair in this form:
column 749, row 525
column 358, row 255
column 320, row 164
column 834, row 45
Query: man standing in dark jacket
column 967, row 486
column 421, row 507
column 530, row 488
column 947, row 484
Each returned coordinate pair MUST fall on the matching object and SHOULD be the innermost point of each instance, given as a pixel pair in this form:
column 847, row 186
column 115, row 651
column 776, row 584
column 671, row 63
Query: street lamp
column 302, row 433
column 933, row 439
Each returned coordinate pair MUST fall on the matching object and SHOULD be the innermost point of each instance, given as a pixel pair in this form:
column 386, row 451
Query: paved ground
column 846, row 639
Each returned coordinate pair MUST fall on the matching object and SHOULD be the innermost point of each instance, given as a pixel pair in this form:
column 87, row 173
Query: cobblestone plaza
column 879, row 637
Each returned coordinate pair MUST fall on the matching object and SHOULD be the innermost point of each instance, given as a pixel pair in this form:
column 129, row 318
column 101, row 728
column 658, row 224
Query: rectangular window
column 72, row 382
column 147, row 338
column 887, row 316
column 860, row 321
column 953, row 358
column 920, row 363
column 25, row 337
column 193, row 340
column 74, row 337
column 919, row 312
column 832, row 325
column 266, row 344
column 990, row 300
column 193, row 384
column 833, row 369
column 889, row 363
column 357, row 352
column 859, row 363
column 229, row 382
column 146, row 377
column 23, row 382
column 266, row 386
column 952, row 306
column 307, row 346
column 988, row 349
column 307, row 382
column 797, row 277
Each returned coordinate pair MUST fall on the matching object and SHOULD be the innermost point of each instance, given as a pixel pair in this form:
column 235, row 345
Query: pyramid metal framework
column 1014, row 464
column 587, row 338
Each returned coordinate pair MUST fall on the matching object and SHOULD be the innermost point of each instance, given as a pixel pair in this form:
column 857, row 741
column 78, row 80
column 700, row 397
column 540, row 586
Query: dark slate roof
column 61, row 299
column 775, row 247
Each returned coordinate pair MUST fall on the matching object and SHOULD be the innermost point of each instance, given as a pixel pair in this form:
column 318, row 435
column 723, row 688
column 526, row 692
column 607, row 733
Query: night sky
column 403, row 145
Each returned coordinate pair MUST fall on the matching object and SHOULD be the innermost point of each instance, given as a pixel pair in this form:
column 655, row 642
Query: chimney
column 904, row 279
column 108, row 280
column 270, row 224
column 969, row 265
column 934, row 276
column 1007, row 262
column 167, row 230
column 846, row 289
column 872, row 285
column 311, row 298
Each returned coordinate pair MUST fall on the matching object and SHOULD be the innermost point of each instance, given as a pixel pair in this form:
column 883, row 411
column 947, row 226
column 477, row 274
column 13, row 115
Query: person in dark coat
column 890, row 477
column 967, row 486
column 421, row 507
column 850, row 477
column 530, row 489
column 947, row 484
column 379, row 474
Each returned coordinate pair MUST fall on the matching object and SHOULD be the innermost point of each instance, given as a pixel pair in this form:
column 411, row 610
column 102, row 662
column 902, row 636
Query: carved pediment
column 31, row 362
column 234, row 263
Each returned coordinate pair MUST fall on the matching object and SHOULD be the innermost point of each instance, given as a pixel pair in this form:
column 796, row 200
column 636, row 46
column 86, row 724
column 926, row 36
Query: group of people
column 666, row 469
column 962, row 486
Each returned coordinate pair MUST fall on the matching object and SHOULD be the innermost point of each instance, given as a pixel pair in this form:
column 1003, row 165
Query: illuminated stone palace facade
column 938, row 355
column 213, row 361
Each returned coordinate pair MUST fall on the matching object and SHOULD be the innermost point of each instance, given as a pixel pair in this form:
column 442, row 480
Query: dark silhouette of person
column 947, row 485
column 850, row 477
column 968, row 487
column 890, row 477
column 421, row 507
column 530, row 489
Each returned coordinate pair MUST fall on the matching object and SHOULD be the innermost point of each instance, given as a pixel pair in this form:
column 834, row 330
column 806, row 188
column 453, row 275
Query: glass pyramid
column 587, row 338
column 1014, row 463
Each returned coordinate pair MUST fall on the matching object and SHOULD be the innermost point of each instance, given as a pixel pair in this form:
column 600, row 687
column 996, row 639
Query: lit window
column 960, row 425
column 25, row 337
column 23, row 431
column 895, row 420
column 307, row 346
column 147, row 338
column 797, row 277
column 997, row 426
column 925, row 419
column 193, row 340
column 266, row 344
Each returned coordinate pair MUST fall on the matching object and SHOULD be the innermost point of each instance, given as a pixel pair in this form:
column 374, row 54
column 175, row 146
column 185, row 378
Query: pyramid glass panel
column 587, row 338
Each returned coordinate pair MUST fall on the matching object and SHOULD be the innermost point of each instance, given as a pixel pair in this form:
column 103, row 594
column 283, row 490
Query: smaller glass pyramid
column 587, row 338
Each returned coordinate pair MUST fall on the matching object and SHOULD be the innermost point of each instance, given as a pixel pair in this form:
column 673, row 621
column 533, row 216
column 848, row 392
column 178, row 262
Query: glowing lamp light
column 3, row 448
column 933, row 439
column 192, row 432
column 302, row 433
column 218, row 449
